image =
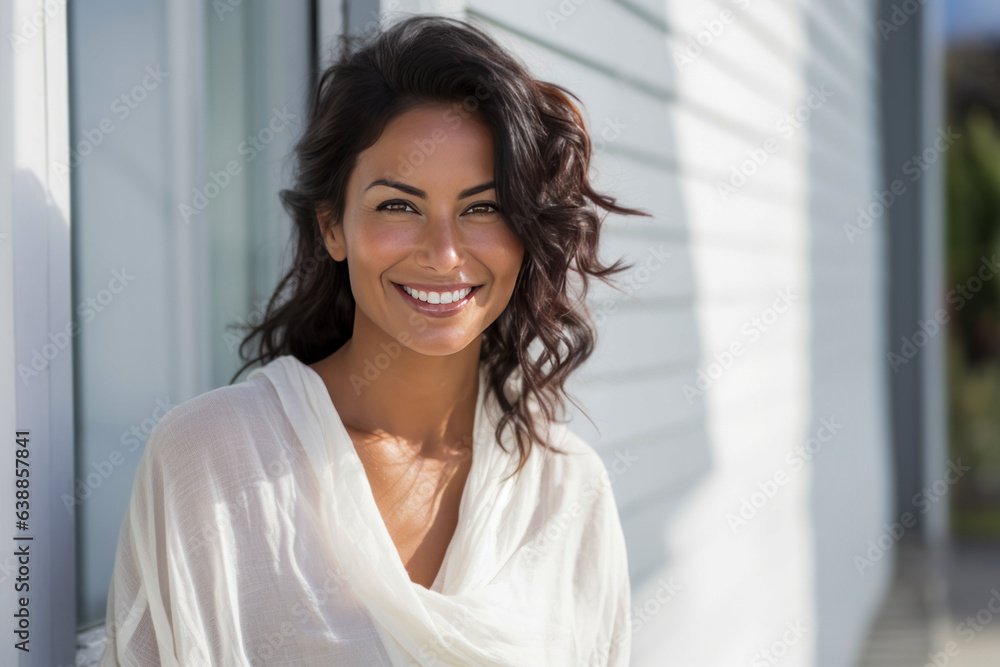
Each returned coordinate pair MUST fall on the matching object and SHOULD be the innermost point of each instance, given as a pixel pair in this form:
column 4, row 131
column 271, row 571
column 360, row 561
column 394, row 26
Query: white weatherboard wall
column 712, row 266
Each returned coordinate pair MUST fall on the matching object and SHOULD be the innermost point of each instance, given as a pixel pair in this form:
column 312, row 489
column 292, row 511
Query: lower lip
column 436, row 309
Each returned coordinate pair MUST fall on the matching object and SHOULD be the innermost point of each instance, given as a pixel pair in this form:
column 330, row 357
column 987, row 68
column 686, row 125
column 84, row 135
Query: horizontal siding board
column 769, row 25
column 728, row 91
column 633, row 408
column 652, row 465
column 651, row 277
column 840, row 36
column 653, row 12
column 763, row 225
column 583, row 35
column 741, row 217
column 862, row 18
column 769, row 52
column 643, row 333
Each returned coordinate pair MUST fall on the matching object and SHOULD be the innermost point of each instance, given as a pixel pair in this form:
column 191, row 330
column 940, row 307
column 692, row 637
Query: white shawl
column 252, row 538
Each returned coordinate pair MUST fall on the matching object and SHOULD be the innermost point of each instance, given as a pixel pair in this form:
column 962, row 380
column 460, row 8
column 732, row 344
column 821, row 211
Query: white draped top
column 252, row 538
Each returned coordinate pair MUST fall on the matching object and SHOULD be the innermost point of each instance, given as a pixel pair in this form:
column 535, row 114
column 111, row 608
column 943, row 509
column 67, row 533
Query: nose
column 440, row 246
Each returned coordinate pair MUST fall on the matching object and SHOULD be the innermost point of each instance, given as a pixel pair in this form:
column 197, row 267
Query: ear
column 332, row 233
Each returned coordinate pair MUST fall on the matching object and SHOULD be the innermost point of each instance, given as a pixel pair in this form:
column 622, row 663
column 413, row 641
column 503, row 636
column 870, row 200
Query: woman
column 395, row 485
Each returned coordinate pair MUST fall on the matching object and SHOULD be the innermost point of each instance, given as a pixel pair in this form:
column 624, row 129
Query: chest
column 418, row 499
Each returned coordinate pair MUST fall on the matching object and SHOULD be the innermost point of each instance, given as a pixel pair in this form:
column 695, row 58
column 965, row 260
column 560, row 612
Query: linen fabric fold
column 252, row 538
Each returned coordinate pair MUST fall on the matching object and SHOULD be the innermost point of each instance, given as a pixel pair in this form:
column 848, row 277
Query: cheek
column 510, row 254
column 373, row 249
column 387, row 238
column 499, row 252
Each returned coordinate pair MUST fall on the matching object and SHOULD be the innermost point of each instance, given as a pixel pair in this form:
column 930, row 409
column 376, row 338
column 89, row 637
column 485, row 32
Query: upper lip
column 438, row 288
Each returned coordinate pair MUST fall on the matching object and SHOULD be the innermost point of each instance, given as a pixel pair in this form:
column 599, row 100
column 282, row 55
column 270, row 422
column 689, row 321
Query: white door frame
column 36, row 333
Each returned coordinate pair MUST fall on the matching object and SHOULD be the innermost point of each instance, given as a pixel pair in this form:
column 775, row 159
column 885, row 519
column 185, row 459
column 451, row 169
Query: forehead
column 430, row 139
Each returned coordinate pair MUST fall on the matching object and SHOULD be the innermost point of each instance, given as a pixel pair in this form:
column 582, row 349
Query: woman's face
column 421, row 212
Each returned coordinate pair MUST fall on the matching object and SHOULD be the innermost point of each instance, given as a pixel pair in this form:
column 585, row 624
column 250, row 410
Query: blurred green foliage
column 973, row 234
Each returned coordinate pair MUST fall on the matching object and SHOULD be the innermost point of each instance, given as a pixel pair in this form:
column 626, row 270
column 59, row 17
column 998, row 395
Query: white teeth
column 438, row 297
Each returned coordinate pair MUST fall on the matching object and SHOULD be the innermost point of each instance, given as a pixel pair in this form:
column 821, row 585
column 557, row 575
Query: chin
column 438, row 347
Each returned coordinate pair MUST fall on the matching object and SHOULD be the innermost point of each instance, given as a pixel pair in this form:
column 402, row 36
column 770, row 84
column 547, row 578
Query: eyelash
column 385, row 206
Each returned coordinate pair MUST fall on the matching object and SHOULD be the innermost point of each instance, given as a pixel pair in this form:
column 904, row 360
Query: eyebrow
column 417, row 192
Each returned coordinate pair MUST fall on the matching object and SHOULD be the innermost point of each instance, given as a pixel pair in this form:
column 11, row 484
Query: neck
column 384, row 388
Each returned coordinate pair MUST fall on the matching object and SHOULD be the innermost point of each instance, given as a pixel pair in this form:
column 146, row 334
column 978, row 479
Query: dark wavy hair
column 542, row 159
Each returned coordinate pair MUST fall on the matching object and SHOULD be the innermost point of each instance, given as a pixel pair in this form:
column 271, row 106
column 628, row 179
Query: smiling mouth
column 439, row 309
column 435, row 297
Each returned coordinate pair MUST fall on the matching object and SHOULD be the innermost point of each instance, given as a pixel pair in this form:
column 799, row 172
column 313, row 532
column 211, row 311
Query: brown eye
column 393, row 206
column 484, row 207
